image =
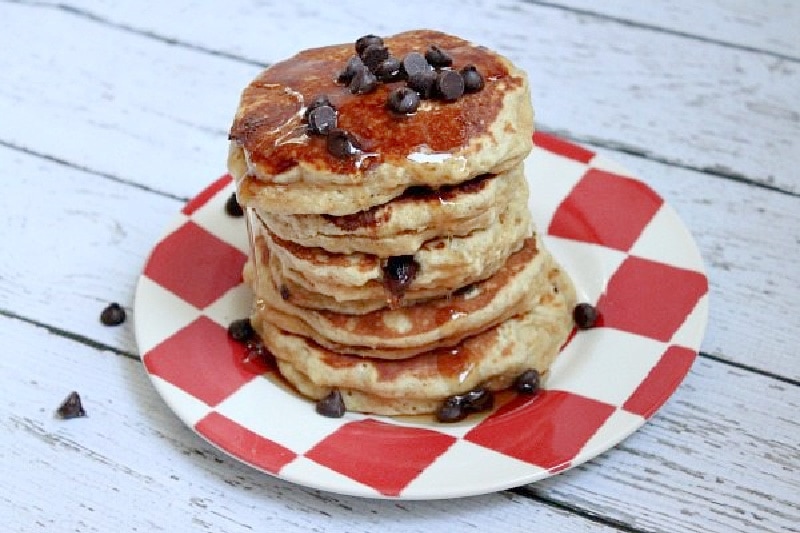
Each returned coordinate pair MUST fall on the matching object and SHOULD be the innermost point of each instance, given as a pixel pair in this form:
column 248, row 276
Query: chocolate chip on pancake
column 450, row 85
column 390, row 70
column 373, row 55
column 527, row 382
column 322, row 120
column 342, row 144
column 363, row 81
column 473, row 81
column 354, row 64
column 403, row 100
column 367, row 40
column 424, row 82
column 398, row 274
column 437, row 57
column 414, row 63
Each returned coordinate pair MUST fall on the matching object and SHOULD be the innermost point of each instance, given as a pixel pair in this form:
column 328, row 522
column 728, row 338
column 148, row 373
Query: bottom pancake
column 490, row 359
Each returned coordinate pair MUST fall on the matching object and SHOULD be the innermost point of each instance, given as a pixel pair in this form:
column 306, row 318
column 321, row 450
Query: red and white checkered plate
column 627, row 251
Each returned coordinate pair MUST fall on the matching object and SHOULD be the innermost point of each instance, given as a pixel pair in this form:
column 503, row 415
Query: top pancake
column 280, row 168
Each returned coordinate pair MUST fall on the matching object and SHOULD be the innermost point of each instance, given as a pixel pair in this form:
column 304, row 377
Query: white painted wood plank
column 768, row 25
column 701, row 104
column 720, row 457
column 132, row 466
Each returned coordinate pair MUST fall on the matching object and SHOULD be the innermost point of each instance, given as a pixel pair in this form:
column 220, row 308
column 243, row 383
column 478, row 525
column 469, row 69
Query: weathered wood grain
column 687, row 101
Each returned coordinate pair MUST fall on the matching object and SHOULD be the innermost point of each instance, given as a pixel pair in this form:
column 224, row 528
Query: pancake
column 280, row 168
column 445, row 264
column 403, row 224
column 492, row 359
column 402, row 332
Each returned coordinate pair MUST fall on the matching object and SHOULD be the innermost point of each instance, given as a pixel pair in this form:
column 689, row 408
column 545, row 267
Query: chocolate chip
column 373, row 55
column 585, row 315
column 423, row 82
column 390, row 70
column 527, row 382
column 232, row 207
column 478, row 400
column 354, row 64
column 241, row 330
column 71, row 407
column 450, row 85
column 473, row 80
column 255, row 349
column 414, row 63
column 399, row 272
column 341, row 143
column 363, row 42
column 284, row 290
column 363, row 82
column 112, row 315
column 451, row 410
column 458, row 406
column 331, row 405
column 403, row 100
column 321, row 120
column 318, row 101
column 437, row 57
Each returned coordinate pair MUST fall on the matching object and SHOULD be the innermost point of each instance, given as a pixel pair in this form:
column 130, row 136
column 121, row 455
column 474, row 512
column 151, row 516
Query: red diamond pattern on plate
column 661, row 382
column 562, row 147
column 547, row 430
column 206, row 194
column 359, row 450
column 195, row 265
column 605, row 209
column 243, row 443
column 650, row 298
column 202, row 360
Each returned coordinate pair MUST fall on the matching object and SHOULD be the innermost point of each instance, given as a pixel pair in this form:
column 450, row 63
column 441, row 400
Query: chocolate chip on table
column 232, row 207
column 321, row 120
column 403, row 100
column 528, row 382
column 424, row 82
column 390, row 70
column 473, row 80
column 112, row 315
column 363, row 82
column 354, row 64
column 437, row 57
column 331, row 405
column 584, row 315
column 414, row 63
column 241, row 330
column 341, row 143
column 399, row 272
column 363, row 42
column 71, row 407
column 373, row 55
column 318, row 101
column 450, row 85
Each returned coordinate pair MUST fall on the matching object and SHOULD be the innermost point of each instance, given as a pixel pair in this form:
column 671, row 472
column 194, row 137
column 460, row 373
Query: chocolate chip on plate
column 473, row 80
column 321, row 120
column 437, row 57
column 232, row 207
column 585, row 315
column 318, row 101
column 478, row 400
column 71, row 407
column 450, row 85
column 414, row 63
column 390, row 70
column 341, row 143
column 363, row 42
column 354, row 64
column 241, row 330
column 112, row 315
column 331, row 405
column 527, row 382
column 451, row 410
column 363, row 82
column 399, row 272
column 373, row 55
column 403, row 100
column 424, row 82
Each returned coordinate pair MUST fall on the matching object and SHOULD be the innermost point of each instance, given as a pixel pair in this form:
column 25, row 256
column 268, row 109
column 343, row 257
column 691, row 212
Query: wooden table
column 112, row 117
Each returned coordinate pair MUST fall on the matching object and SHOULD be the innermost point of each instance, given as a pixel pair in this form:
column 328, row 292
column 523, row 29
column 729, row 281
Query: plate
column 627, row 251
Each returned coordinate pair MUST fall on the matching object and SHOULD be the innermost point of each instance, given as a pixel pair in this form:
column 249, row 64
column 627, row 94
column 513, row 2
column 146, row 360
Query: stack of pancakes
column 406, row 271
